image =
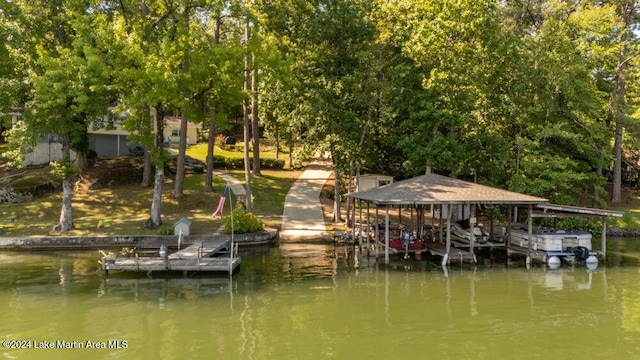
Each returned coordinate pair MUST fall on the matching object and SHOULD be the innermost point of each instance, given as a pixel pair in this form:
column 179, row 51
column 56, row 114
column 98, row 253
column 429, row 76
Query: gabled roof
column 437, row 189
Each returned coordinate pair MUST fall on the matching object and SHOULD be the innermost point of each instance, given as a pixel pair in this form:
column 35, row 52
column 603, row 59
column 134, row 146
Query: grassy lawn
column 123, row 210
column 200, row 152
column 631, row 209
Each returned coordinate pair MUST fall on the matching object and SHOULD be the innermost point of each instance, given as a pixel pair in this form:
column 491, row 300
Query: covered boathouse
column 440, row 200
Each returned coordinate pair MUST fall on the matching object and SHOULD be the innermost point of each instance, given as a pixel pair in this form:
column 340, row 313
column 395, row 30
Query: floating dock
column 213, row 256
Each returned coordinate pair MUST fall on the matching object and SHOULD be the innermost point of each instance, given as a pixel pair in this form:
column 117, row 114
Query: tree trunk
column 617, row 100
column 337, row 215
column 148, row 165
column 211, row 141
column 277, row 137
column 254, row 118
column 208, row 181
column 616, row 191
column 290, row 150
column 155, row 219
column 66, row 212
column 247, row 125
column 247, row 162
column 148, row 168
column 178, row 190
column 81, row 162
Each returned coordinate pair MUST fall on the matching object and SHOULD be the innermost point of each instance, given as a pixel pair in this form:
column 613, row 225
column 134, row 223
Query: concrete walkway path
column 302, row 217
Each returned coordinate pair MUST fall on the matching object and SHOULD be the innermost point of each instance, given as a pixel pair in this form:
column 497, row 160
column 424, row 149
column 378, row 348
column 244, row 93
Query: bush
column 576, row 224
column 237, row 163
column 165, row 230
column 198, row 169
column 244, row 222
column 219, row 161
column 276, row 164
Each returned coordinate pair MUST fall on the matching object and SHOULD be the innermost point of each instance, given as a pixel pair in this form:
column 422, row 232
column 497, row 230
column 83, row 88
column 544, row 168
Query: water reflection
column 320, row 301
column 165, row 288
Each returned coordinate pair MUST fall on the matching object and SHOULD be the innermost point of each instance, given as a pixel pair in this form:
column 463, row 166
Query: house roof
column 182, row 221
column 174, row 121
column 437, row 189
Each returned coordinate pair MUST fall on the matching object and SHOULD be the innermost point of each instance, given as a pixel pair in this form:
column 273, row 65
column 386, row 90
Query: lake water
column 321, row 302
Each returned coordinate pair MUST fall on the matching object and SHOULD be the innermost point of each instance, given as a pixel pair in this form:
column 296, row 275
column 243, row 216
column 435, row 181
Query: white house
column 106, row 137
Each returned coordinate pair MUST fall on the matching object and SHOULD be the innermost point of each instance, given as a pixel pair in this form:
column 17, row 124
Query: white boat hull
column 560, row 241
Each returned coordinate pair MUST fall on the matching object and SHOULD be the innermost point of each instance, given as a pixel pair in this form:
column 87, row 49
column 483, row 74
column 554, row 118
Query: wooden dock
column 455, row 254
column 210, row 255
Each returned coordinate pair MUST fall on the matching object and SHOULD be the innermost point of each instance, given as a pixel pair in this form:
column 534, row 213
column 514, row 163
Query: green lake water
column 321, row 302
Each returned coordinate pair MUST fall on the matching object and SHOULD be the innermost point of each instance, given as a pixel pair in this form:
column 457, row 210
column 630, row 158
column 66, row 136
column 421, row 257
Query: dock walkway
column 201, row 256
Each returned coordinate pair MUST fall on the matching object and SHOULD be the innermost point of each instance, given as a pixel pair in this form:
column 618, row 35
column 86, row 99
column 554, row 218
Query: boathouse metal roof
column 553, row 210
column 438, row 189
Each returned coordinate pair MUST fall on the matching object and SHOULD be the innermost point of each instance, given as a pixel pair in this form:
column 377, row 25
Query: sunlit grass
column 200, row 152
column 124, row 210
column 631, row 209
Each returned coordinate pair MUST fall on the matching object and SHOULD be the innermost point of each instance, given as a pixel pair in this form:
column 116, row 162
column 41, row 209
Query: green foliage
column 165, row 230
column 63, row 169
column 238, row 163
column 276, row 164
column 630, row 221
column 577, row 224
column 244, row 222
column 463, row 88
column 22, row 141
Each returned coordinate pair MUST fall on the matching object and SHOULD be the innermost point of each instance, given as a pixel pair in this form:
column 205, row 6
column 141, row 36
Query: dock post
column 603, row 247
column 386, row 236
column 163, row 255
column 445, row 259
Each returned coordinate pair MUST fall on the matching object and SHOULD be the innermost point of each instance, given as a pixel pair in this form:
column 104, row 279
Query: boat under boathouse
column 437, row 204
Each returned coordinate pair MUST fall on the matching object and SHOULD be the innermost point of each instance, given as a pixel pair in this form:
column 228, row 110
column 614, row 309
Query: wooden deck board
column 201, row 248
column 197, row 257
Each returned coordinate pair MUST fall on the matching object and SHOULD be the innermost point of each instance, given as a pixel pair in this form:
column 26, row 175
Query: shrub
column 576, row 224
column 219, row 161
column 198, row 169
column 165, row 230
column 237, row 163
column 277, row 164
column 220, row 139
column 244, row 222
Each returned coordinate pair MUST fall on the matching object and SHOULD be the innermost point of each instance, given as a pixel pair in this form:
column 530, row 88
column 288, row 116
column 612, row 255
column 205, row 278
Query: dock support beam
column 386, row 235
column 603, row 246
column 448, row 246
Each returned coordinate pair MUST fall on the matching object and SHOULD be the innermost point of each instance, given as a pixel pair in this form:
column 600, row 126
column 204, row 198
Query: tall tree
column 628, row 12
column 329, row 42
column 146, row 39
column 68, row 80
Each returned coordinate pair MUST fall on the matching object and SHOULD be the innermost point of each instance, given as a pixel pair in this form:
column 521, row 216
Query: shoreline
column 49, row 243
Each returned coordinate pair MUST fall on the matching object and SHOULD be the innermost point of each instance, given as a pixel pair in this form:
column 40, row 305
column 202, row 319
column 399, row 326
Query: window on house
column 98, row 122
column 112, row 121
